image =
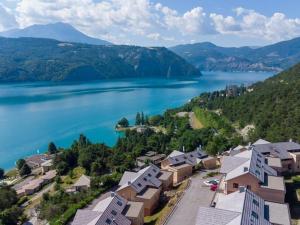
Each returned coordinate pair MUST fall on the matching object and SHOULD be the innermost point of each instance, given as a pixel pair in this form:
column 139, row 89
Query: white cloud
column 7, row 19
column 142, row 21
column 251, row 23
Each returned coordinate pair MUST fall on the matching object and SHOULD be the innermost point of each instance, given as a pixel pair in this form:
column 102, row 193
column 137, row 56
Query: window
column 258, row 160
column 235, row 185
column 255, row 202
column 176, row 160
column 154, row 170
column 108, row 221
column 114, row 212
column 185, row 157
column 254, row 214
column 249, row 187
column 257, row 172
column 191, row 156
column 139, row 184
column 149, row 175
column 119, row 203
column 145, row 179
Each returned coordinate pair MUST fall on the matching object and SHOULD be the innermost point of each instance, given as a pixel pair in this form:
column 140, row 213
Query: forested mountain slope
column 275, row 57
column 273, row 106
column 32, row 59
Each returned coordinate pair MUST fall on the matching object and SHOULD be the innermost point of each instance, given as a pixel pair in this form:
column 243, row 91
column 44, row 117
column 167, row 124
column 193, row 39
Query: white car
column 211, row 182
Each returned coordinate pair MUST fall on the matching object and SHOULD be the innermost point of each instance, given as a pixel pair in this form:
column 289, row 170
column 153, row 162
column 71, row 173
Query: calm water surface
column 33, row 114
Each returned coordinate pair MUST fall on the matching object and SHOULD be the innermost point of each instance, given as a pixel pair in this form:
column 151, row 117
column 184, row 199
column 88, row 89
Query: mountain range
column 209, row 57
column 57, row 31
column 36, row 59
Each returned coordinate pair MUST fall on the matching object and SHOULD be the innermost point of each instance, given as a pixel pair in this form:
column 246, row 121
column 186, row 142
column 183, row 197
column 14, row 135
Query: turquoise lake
column 33, row 114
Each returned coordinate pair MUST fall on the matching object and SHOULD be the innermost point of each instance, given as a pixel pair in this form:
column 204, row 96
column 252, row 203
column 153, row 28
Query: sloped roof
column 248, row 209
column 260, row 142
column 279, row 149
column 256, row 166
column 107, row 211
column 229, row 163
column 146, row 177
column 213, row 216
column 83, row 181
column 177, row 157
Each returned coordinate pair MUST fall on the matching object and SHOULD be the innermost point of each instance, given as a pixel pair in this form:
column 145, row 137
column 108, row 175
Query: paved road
column 197, row 195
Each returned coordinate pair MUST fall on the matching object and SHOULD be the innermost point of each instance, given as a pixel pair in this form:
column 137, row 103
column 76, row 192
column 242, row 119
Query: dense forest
column 273, row 106
column 209, row 57
column 34, row 59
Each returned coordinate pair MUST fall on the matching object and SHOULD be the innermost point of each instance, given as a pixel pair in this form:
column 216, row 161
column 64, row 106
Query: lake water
column 33, row 114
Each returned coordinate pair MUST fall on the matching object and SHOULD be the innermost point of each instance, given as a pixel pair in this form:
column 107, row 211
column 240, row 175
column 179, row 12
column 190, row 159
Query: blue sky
column 163, row 22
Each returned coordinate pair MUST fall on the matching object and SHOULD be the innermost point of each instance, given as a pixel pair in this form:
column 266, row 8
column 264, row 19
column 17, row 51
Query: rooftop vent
column 112, row 194
column 246, row 169
column 129, row 182
column 291, row 140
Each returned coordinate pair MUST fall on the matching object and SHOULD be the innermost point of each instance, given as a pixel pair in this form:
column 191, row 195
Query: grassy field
column 70, row 179
column 195, row 123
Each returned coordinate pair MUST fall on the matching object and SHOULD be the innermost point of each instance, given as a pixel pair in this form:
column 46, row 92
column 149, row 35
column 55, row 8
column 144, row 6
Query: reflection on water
column 33, row 114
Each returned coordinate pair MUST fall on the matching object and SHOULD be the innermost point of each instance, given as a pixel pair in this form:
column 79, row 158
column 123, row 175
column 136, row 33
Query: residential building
column 47, row 166
column 112, row 210
column 250, row 169
column 181, row 164
column 243, row 207
column 150, row 157
column 287, row 152
column 36, row 184
column 83, row 183
column 144, row 186
column 36, row 161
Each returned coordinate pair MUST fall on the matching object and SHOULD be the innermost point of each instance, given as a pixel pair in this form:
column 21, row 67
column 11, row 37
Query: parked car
column 211, row 182
column 214, row 187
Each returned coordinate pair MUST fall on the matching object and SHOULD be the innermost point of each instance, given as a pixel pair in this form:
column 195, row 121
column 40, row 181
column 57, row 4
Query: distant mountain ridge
column 58, row 31
column 209, row 57
column 35, row 59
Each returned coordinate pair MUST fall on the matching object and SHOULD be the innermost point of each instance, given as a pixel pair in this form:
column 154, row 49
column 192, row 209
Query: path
column 196, row 195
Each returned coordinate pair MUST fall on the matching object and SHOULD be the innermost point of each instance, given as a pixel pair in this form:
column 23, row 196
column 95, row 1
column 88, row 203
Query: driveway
column 196, row 195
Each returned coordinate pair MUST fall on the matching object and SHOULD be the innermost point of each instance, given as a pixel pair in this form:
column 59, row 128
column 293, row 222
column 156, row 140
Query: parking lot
column 196, row 195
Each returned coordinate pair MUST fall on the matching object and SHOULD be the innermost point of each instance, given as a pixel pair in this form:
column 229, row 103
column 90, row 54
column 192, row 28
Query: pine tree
column 138, row 119
column 52, row 148
column 142, row 119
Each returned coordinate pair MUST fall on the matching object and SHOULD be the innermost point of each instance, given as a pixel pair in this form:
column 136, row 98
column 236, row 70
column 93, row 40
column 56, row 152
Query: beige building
column 83, row 183
column 144, row 186
column 181, row 164
column 243, row 207
column 287, row 152
column 112, row 210
column 249, row 169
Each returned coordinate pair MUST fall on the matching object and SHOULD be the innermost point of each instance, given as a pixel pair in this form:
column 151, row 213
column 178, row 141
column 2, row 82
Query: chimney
column 129, row 182
column 291, row 140
column 242, row 189
column 183, row 149
column 112, row 194
column 245, row 169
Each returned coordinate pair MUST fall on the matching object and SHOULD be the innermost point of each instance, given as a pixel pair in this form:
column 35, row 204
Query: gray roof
column 213, row 216
column 279, row 213
column 83, row 181
column 146, row 177
column 229, row 163
column 177, row 157
column 248, row 209
column 255, row 165
column 108, row 211
column 279, row 149
column 84, row 216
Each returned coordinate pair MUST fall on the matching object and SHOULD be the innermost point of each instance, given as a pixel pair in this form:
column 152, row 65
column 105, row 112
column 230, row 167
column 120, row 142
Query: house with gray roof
column 287, row 152
column 111, row 210
column 250, row 169
column 144, row 186
column 248, row 209
column 181, row 164
column 83, row 183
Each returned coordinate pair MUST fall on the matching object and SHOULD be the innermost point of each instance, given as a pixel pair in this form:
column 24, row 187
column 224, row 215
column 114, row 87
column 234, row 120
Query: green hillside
column 33, row 59
column 273, row 106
